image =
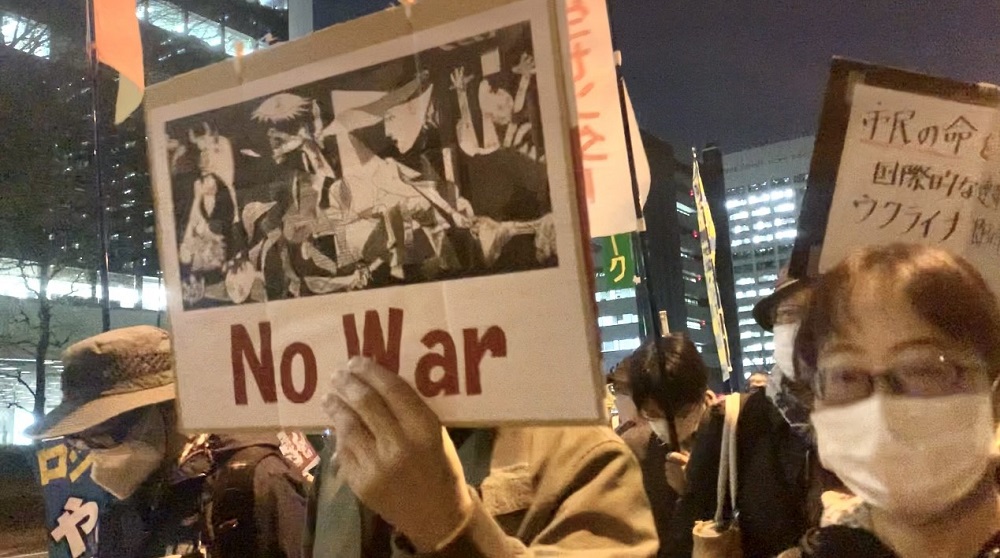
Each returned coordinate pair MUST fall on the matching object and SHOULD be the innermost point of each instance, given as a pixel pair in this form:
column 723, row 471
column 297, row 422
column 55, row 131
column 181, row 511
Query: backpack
column 229, row 502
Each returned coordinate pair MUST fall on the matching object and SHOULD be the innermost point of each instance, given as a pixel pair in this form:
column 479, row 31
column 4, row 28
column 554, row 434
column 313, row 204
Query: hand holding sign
column 388, row 438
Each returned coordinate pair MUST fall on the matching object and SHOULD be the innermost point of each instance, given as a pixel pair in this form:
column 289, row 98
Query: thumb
column 678, row 458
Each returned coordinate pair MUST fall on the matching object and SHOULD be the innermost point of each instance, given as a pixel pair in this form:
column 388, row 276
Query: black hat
column 785, row 287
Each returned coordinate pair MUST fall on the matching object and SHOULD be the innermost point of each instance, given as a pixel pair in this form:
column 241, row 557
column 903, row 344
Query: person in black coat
column 780, row 481
column 668, row 383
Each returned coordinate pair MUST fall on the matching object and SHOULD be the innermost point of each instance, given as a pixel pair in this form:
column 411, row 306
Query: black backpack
column 230, row 523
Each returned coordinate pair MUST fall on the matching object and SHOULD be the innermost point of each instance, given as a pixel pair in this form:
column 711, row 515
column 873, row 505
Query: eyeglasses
column 618, row 387
column 929, row 377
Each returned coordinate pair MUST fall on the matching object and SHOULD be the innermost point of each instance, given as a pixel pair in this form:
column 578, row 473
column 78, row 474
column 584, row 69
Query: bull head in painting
column 215, row 154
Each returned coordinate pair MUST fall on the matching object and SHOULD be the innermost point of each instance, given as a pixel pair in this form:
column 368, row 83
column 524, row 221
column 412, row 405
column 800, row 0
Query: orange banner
column 118, row 44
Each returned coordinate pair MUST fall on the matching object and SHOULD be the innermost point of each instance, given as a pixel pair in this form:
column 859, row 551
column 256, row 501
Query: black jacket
column 277, row 502
column 773, row 464
column 836, row 541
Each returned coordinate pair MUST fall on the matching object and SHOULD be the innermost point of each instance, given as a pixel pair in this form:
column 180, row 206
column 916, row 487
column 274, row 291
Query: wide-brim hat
column 108, row 375
column 763, row 311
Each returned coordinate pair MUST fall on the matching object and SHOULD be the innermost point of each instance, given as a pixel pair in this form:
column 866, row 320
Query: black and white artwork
column 424, row 168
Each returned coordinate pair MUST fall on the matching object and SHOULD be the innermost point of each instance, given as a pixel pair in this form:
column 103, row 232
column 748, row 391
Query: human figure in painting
column 507, row 187
column 211, row 238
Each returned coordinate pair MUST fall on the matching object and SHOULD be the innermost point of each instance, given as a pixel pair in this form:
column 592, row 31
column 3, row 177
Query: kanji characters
column 959, row 131
column 985, row 234
column 78, row 520
column 885, row 173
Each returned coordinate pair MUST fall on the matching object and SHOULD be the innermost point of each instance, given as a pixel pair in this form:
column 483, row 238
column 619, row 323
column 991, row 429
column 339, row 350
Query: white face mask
column 686, row 425
column 909, row 456
column 661, row 428
column 784, row 348
column 121, row 470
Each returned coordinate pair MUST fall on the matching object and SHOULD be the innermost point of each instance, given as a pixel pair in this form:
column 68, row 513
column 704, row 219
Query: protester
column 756, row 381
column 901, row 350
column 118, row 392
column 668, row 384
column 779, row 482
column 417, row 488
column 780, row 313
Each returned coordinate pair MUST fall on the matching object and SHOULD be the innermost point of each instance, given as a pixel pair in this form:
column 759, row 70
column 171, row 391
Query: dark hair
column 943, row 289
column 669, row 372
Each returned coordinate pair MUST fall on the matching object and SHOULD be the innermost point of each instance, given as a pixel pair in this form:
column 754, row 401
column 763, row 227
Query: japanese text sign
column 73, row 502
column 603, row 153
column 916, row 167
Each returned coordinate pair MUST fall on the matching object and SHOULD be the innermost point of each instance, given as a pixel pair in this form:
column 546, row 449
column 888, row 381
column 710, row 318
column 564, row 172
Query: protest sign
column 400, row 186
column 903, row 157
column 604, row 152
column 299, row 452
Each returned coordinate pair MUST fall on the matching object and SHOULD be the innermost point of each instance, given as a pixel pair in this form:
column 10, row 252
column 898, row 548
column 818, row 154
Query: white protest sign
column 603, row 152
column 345, row 195
column 920, row 169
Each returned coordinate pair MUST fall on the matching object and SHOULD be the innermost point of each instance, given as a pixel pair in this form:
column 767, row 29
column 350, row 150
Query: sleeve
column 602, row 511
column 699, row 500
column 280, row 513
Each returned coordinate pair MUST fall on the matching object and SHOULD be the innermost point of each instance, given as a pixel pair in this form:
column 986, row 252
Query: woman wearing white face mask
column 668, row 384
column 901, row 350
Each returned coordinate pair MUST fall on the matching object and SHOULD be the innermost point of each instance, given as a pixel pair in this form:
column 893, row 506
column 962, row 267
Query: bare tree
column 45, row 234
column 25, row 34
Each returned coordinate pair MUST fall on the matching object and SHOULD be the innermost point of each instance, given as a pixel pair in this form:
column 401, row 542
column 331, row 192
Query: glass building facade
column 765, row 186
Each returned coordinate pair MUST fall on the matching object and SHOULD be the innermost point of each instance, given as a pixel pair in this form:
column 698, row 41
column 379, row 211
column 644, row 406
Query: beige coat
column 551, row 491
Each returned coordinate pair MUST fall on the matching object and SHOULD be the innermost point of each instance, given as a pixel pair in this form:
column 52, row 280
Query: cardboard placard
column 365, row 190
column 903, row 157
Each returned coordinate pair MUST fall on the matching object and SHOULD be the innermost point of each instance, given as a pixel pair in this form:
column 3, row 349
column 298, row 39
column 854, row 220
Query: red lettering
column 494, row 341
column 578, row 54
column 577, row 12
column 427, row 386
column 588, row 139
column 241, row 348
column 375, row 346
column 288, row 383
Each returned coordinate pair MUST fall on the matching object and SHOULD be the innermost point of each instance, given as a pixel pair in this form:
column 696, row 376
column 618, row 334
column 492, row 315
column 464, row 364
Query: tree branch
column 17, row 376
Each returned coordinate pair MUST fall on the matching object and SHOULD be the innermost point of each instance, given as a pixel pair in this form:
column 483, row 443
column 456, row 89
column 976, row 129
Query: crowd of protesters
column 873, row 435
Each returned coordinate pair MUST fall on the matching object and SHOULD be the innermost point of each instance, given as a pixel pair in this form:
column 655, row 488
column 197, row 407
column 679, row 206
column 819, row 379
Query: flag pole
column 93, row 68
column 651, row 318
column 653, row 328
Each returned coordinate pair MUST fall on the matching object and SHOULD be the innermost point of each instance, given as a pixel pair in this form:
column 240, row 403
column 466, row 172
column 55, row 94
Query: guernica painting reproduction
column 399, row 187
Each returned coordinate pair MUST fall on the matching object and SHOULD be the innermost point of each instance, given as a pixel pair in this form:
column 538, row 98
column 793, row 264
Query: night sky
column 744, row 73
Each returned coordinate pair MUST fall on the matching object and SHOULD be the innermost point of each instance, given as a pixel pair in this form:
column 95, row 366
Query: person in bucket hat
column 109, row 375
column 118, row 391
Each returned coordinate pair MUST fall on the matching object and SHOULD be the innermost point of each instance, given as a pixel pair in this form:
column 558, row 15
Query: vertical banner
column 601, row 129
column 616, row 261
column 73, row 502
column 706, row 233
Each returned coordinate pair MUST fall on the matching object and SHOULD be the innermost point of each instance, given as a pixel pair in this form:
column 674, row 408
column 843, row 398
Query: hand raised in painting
column 459, row 80
column 526, row 67
column 395, row 455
